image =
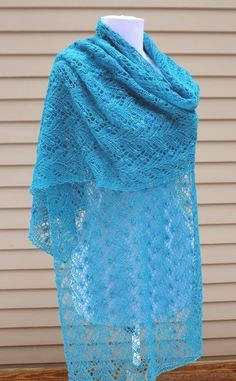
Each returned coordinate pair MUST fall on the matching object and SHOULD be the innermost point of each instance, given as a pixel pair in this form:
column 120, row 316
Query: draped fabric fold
column 114, row 203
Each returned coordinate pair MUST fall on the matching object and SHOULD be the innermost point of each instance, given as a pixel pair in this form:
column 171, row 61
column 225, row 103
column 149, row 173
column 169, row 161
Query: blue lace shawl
column 114, row 203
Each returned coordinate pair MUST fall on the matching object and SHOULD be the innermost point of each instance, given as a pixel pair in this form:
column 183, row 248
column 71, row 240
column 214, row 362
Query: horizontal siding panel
column 26, row 65
column 26, row 88
column 31, row 110
column 33, row 317
column 221, row 292
column 27, row 132
column 54, row 353
column 168, row 42
column 219, row 311
column 213, row 234
column 209, row 234
column 226, row 4
column 44, row 279
column 16, row 197
column 214, row 193
column 218, row 329
column 40, row 354
column 220, row 347
column 49, row 317
column 217, row 130
column 35, row 88
column 33, row 258
column 39, row 65
column 56, row 19
column 215, row 173
column 218, row 273
column 24, row 279
column 31, row 336
column 47, row 298
column 208, row 194
column 19, row 132
column 53, row 336
column 19, row 197
column 205, row 173
column 29, row 259
column 218, row 253
column 207, row 64
column 215, row 87
column 217, row 214
column 217, row 108
column 29, row 299
column 16, row 175
column 25, row 154
column 208, row 215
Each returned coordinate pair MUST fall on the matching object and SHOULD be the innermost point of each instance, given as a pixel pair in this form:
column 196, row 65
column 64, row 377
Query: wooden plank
column 214, row 194
column 219, row 311
column 47, row 298
column 215, row 173
column 220, row 347
column 220, row 292
column 210, row 173
column 30, row 336
column 201, row 370
column 200, row 4
column 25, row 279
column 16, row 197
column 218, row 273
column 54, row 353
column 44, row 278
column 218, row 234
column 19, row 132
column 35, row 88
column 41, row 373
column 208, row 194
column 169, row 42
column 27, row 132
column 209, row 234
column 208, row 215
column 33, row 259
column 66, row 19
column 31, row 110
column 18, row 299
column 218, row 253
column 39, row 354
column 53, row 335
column 38, row 66
column 33, row 317
column 217, row 214
column 25, row 153
column 49, row 317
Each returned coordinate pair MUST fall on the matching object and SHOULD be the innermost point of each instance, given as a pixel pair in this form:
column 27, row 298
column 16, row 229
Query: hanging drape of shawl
column 114, row 203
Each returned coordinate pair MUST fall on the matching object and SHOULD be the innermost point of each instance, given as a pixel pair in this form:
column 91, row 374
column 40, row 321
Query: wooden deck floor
column 201, row 370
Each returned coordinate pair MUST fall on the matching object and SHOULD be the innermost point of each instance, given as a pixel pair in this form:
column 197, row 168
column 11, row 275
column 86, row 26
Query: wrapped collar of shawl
column 109, row 117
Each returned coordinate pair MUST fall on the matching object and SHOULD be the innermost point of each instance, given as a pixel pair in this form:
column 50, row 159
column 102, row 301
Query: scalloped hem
column 164, row 369
column 178, row 364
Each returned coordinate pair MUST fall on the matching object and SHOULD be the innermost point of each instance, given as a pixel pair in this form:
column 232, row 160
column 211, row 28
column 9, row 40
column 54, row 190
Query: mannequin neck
column 129, row 27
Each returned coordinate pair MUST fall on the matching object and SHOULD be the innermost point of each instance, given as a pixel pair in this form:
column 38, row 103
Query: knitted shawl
column 114, row 203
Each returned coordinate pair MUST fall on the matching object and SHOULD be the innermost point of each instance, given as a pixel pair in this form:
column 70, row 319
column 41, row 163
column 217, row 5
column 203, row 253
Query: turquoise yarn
column 114, row 203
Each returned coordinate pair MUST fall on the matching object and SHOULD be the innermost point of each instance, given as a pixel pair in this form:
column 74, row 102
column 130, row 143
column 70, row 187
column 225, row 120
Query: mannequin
column 131, row 29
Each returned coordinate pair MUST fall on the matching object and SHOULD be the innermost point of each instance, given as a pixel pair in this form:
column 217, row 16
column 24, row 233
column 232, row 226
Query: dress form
column 131, row 29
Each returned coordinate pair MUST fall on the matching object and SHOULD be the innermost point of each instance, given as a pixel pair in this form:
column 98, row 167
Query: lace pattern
column 114, row 203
